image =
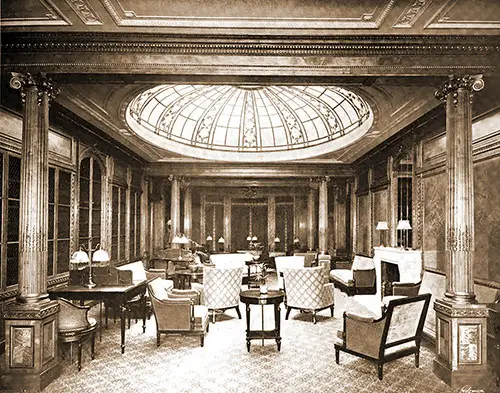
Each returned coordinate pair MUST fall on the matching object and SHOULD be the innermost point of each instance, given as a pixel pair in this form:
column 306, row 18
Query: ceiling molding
column 240, row 171
column 372, row 19
column 85, row 12
column 411, row 13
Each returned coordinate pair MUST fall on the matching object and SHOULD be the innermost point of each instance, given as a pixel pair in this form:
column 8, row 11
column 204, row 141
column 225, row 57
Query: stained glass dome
column 249, row 123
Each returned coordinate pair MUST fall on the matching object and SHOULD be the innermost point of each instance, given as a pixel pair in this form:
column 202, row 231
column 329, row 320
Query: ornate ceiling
column 393, row 54
column 249, row 123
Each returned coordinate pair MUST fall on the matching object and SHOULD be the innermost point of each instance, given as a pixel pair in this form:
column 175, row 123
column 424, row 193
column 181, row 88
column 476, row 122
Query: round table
column 275, row 298
column 188, row 275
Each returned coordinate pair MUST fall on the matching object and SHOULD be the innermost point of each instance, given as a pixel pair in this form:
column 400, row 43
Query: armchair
column 221, row 289
column 287, row 262
column 396, row 334
column 306, row 290
column 176, row 311
column 360, row 279
column 76, row 326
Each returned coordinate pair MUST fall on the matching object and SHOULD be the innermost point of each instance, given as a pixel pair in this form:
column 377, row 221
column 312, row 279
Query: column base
column 30, row 362
column 461, row 342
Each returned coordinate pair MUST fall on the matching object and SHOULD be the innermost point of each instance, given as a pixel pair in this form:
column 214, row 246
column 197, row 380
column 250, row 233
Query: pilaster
column 311, row 215
column 188, row 211
column 323, row 214
column 31, row 361
column 175, row 208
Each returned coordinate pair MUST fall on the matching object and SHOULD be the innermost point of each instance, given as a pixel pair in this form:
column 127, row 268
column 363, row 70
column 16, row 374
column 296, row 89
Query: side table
column 186, row 274
column 253, row 296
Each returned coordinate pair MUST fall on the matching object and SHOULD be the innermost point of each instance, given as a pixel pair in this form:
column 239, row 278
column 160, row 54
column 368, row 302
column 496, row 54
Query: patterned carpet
column 305, row 364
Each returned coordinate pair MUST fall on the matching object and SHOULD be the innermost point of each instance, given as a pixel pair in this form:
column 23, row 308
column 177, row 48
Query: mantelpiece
column 409, row 264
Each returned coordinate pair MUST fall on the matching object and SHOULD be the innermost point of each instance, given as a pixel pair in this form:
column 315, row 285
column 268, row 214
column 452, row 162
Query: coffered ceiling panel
column 330, row 14
column 467, row 14
column 32, row 13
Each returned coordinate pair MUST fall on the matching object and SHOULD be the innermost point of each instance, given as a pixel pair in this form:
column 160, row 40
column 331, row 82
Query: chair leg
column 157, row 339
column 337, row 356
column 314, row 317
column 208, row 327
column 202, row 339
column 288, row 309
column 331, row 310
column 380, row 370
column 213, row 316
column 417, row 358
column 238, row 312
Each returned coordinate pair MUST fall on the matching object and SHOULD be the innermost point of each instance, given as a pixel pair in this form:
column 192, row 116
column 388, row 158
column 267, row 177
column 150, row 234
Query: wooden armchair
column 397, row 334
column 176, row 311
column 76, row 326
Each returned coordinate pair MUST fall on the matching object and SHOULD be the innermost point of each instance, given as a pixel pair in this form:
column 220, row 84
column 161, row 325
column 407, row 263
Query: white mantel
column 409, row 264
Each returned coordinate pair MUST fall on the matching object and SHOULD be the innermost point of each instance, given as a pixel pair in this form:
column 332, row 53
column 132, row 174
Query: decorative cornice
column 44, row 85
column 455, row 311
column 472, row 83
column 254, row 49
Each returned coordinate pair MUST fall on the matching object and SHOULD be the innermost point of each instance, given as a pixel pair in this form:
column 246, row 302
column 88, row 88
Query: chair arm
column 364, row 337
column 360, row 318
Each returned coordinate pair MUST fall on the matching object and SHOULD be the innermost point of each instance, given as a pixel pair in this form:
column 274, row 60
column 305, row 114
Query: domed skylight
column 249, row 123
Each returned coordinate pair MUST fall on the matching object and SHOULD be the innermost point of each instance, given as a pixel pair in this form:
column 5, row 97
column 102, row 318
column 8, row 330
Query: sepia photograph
column 242, row 196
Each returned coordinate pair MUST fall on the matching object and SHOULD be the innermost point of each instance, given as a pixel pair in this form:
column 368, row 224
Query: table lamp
column 382, row 226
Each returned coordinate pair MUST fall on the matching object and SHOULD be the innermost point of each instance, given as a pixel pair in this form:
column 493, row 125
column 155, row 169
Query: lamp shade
column 249, row 238
column 100, row 255
column 296, row 240
column 277, row 239
column 403, row 225
column 382, row 226
column 254, row 238
column 183, row 240
column 80, row 256
column 221, row 240
column 209, row 238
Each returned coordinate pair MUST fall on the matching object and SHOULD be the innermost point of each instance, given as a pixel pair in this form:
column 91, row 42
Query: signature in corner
column 468, row 389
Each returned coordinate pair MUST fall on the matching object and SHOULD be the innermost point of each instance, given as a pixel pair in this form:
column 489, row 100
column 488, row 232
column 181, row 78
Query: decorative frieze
column 85, row 12
column 472, row 83
column 23, row 313
column 456, row 311
column 411, row 13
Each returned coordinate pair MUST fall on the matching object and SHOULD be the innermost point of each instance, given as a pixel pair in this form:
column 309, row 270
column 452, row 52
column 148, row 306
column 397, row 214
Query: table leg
column 248, row 326
column 122, row 325
column 248, row 283
column 143, row 312
column 277, row 321
column 262, row 316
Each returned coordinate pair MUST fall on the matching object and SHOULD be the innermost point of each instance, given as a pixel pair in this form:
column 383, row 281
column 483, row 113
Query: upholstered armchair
column 310, row 258
column 306, row 290
column 359, row 280
column 396, row 334
column 76, row 326
column 176, row 311
column 287, row 262
column 401, row 289
column 221, row 289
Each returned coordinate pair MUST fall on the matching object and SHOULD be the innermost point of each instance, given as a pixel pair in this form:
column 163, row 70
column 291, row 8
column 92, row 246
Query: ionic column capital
column 472, row 83
column 44, row 85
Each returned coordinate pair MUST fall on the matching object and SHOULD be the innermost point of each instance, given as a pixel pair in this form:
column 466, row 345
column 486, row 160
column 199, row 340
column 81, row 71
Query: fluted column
column 30, row 323
column 323, row 214
column 460, row 323
column 33, row 218
column 457, row 93
column 188, row 212
column 175, row 208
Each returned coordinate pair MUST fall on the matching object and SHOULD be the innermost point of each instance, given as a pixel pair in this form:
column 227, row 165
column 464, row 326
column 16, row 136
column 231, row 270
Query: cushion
column 137, row 268
column 362, row 263
column 343, row 276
